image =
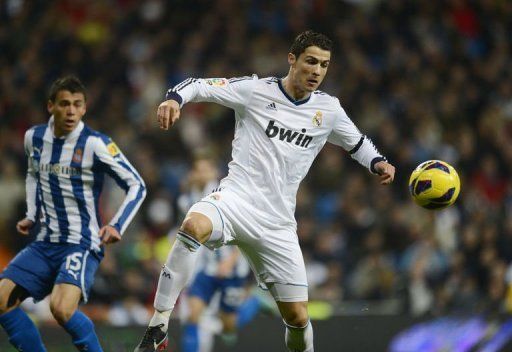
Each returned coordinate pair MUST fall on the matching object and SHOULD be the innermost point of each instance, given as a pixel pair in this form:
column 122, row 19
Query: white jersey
column 64, row 182
column 276, row 138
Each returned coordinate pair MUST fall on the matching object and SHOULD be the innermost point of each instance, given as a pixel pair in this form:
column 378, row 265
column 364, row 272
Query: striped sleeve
column 233, row 93
column 359, row 146
column 125, row 175
column 30, row 180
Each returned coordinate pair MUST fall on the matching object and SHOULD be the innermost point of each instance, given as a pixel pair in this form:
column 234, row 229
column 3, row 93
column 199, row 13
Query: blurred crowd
column 424, row 79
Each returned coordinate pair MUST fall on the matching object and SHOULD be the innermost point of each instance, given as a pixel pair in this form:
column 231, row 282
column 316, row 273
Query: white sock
column 299, row 338
column 176, row 272
column 160, row 318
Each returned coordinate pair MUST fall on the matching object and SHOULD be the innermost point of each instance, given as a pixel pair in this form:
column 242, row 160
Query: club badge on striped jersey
column 113, row 149
column 317, row 119
column 217, row 82
column 77, row 156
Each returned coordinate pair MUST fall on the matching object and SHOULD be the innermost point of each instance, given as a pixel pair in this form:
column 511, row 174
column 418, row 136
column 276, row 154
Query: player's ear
column 49, row 106
column 291, row 59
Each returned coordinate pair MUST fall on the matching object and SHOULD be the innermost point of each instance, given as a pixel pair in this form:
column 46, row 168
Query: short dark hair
column 69, row 83
column 310, row 38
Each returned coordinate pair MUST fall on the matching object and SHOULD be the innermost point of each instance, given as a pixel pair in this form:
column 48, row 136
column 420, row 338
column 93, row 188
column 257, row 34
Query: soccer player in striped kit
column 67, row 163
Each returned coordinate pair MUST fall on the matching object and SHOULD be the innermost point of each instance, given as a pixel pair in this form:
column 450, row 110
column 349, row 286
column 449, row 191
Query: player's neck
column 292, row 90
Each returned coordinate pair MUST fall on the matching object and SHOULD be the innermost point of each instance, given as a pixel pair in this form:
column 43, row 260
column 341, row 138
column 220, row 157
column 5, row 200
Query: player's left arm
column 23, row 226
column 125, row 175
column 360, row 147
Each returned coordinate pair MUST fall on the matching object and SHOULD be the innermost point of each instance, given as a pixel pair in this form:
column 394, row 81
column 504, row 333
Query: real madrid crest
column 317, row 119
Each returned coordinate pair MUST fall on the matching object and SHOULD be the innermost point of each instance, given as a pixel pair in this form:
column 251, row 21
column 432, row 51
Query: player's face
column 67, row 110
column 309, row 68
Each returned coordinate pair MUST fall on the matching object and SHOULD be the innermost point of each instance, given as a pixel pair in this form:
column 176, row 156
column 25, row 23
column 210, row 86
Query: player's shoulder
column 249, row 78
column 270, row 80
column 326, row 99
column 103, row 141
column 98, row 139
column 36, row 129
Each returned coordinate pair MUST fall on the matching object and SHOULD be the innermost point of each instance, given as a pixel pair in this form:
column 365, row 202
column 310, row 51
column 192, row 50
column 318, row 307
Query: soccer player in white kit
column 281, row 126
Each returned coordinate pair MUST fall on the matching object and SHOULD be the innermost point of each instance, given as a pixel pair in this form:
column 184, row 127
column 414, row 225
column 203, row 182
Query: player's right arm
column 233, row 93
column 23, row 226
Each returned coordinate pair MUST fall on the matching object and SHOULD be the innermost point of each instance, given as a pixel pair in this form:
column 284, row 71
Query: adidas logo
column 271, row 106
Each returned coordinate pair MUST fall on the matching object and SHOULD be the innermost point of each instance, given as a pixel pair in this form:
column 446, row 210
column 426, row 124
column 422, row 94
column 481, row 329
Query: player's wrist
column 374, row 162
column 174, row 96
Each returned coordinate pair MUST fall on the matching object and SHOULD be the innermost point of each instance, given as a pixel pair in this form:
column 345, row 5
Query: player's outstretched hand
column 386, row 172
column 24, row 226
column 168, row 113
column 109, row 234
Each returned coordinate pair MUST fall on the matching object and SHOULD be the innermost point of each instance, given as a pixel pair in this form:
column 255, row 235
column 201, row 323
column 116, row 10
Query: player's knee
column 297, row 317
column 61, row 312
column 3, row 304
column 197, row 226
column 229, row 326
column 11, row 296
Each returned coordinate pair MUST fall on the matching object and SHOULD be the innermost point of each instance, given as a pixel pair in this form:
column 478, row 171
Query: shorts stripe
column 82, row 277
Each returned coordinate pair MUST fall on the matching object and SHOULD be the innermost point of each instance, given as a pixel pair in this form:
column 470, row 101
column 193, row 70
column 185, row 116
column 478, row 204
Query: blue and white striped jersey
column 65, row 179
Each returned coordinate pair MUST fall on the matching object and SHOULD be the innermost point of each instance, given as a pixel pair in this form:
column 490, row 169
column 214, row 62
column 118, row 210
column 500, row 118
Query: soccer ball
column 434, row 184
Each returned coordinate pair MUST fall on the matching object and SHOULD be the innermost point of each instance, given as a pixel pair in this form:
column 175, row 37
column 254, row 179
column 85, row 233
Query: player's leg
column 200, row 294
column 29, row 274
column 73, row 283
column 299, row 332
column 203, row 223
column 64, row 302
column 190, row 339
column 277, row 261
column 22, row 332
column 229, row 327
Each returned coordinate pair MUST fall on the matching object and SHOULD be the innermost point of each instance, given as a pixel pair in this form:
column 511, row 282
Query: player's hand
column 109, row 234
column 168, row 113
column 23, row 226
column 386, row 172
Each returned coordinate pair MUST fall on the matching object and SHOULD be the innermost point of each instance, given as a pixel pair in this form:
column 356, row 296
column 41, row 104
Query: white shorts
column 273, row 253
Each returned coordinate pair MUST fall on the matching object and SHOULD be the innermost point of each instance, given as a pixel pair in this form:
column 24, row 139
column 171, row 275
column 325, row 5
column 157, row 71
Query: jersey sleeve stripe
column 237, row 79
column 358, row 145
column 132, row 206
column 183, row 84
column 37, row 146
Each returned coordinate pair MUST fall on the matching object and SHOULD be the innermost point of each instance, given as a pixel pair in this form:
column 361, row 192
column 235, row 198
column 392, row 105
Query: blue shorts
column 41, row 265
column 232, row 291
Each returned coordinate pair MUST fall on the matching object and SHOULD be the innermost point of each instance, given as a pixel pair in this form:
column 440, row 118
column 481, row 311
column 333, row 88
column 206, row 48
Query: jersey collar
column 296, row 102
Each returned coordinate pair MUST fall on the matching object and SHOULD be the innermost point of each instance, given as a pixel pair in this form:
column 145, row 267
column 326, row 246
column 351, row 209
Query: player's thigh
column 208, row 217
column 34, row 269
column 78, row 268
column 294, row 313
column 196, row 307
column 11, row 295
column 275, row 257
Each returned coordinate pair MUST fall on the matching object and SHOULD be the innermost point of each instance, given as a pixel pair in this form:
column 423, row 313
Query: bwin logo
column 301, row 139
